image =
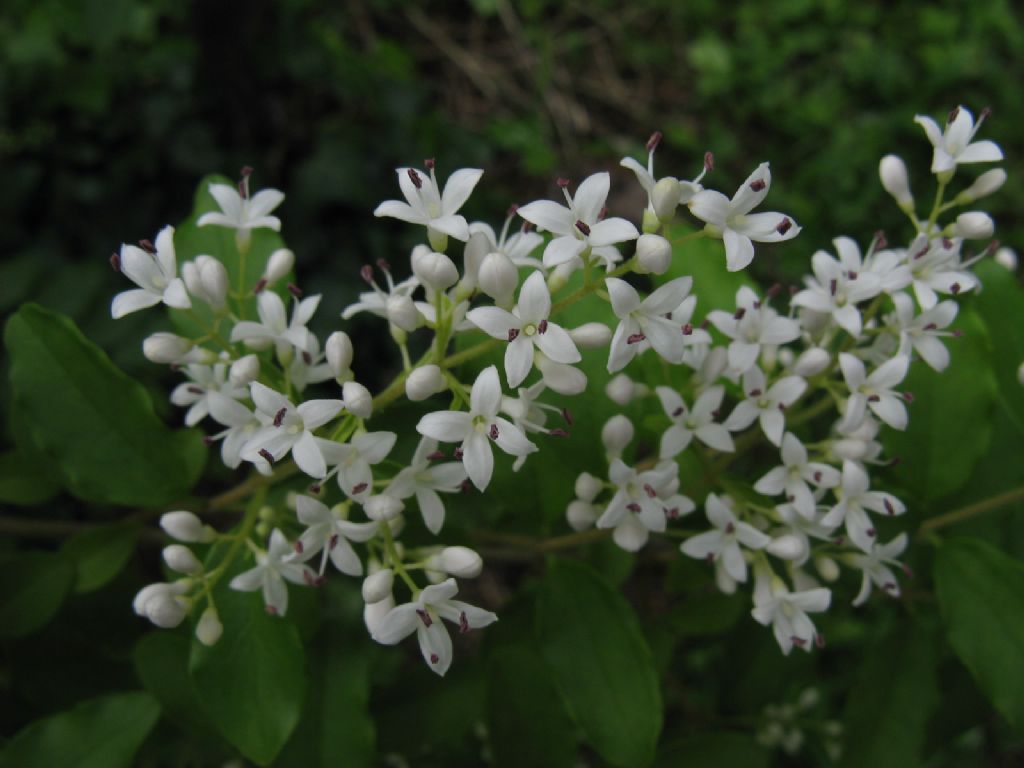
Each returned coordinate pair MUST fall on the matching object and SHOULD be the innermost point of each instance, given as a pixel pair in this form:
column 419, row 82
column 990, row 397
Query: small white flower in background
column 352, row 461
column 839, row 285
column 768, row 405
column 289, row 429
column 560, row 377
column 476, row 429
column 425, row 479
column 752, row 326
column 923, row 333
column 787, row 613
column 855, row 499
column 732, row 220
column 723, row 542
column 580, row 224
column 646, row 321
column 874, row 392
column 795, row 475
column 275, row 328
column 273, row 567
column 206, row 279
column 699, row 422
column 663, row 195
column 516, row 247
column 395, row 304
column 526, row 328
column 526, row 411
column 955, row 144
column 637, row 507
column 309, row 367
column 194, row 394
column 241, row 425
column 240, row 211
column 428, row 205
column 154, row 269
column 936, row 268
column 423, row 616
column 186, row 526
column 162, row 603
column 893, row 173
column 165, row 348
column 875, row 567
column 326, row 532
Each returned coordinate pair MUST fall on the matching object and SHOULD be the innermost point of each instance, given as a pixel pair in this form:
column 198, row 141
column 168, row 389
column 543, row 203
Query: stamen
column 819, row 640
column 602, row 213
column 817, row 476
column 429, row 163
column 888, row 507
column 687, row 330
column 754, row 393
column 871, row 532
column 415, row 179
column 493, row 432
column 424, row 617
column 757, row 185
column 513, row 210
column 260, row 285
column 880, row 240
column 654, row 141
column 583, row 227
column 542, row 326
column 773, row 291
column 799, row 642
column 709, row 161
column 874, row 398
column 315, row 488
column 671, row 514
column 633, row 507
column 271, row 610
column 457, row 454
column 299, row 546
column 332, row 542
column 294, row 290
column 435, row 456
column 649, row 490
column 562, row 182
column 147, row 246
column 383, row 265
column 434, row 658
column 513, row 334
column 730, row 528
column 359, row 488
column 558, row 432
column 567, row 415
column 366, row 272
column 954, row 113
column 833, row 286
column 266, row 455
column 635, row 338
column 279, row 417
column 115, row 262
column 930, row 327
column 678, row 412
column 463, row 623
column 954, row 288
column 194, row 389
column 908, row 397
column 208, row 440
column 784, row 226
column 739, row 313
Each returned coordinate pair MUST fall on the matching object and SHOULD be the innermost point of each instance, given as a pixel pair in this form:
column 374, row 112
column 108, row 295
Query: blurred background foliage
column 112, row 110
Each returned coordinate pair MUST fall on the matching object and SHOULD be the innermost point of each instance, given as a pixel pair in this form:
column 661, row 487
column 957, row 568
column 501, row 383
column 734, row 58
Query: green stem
column 971, row 510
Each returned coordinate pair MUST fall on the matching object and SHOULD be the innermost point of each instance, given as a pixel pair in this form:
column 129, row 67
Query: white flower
column 955, row 144
column 195, row 394
column 838, row 286
column 239, row 211
column 724, row 541
column 686, row 423
column 516, row 247
column 425, row 480
column 787, row 613
column 936, row 268
column 275, row 328
column 241, row 425
column 646, row 321
column 754, row 324
column 526, row 328
column 854, row 501
column 352, row 460
column 326, row 532
column 396, row 304
column 638, row 506
column 428, row 205
column 579, row 224
column 475, row 430
column 875, row 567
column 289, row 429
column 793, row 476
column 155, row 272
column 273, row 568
column 732, row 220
column 767, row 405
column 670, row 191
column 922, row 333
column 423, row 616
column 163, row 603
column 874, row 392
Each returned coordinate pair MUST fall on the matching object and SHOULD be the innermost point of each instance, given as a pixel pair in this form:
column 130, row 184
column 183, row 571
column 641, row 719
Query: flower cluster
column 812, row 380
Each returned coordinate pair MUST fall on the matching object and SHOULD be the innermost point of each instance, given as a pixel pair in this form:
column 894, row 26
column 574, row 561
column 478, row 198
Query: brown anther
column 279, row 417
column 246, row 172
column 654, row 141
column 602, row 213
column 889, row 507
column 871, row 532
column 513, row 209
column 429, row 163
column 359, row 488
column 880, row 240
column 463, row 623
column 957, row 333
column 635, row 338
column 782, row 407
column 493, row 432
column 562, row 182
column 633, row 507
column 739, row 313
column 315, row 488
column 513, row 334
column 984, row 114
column 267, row 455
column 435, row 456
column 889, row 586
column 954, row 288
column 415, row 179
column 851, row 275
column 819, row 640
column 424, row 617
column 147, row 246
column 383, row 265
column 307, row 358
column 908, row 397
column 294, row 290
column 817, row 477
column 208, row 441
column 833, row 286
column 954, row 113
column 757, row 185
column 947, row 243
column 583, row 227
column 895, row 461
column 730, row 528
column 366, row 272
column 542, row 326
column 671, row 513
column 271, row 610
column 649, row 490
column 434, row 658
column 567, row 416
column 754, row 393
column 992, row 247
column 799, row 642
column 194, row 389
column 558, row 432
column 299, row 546
column 705, row 324
column 784, row 226
column 332, row 542
column 115, row 262
column 874, row 398
column 678, row 412
column 709, row 161
column 773, row 291
column 687, row 329
column 527, row 226
column 261, row 284
column 457, row 454
column 930, row 327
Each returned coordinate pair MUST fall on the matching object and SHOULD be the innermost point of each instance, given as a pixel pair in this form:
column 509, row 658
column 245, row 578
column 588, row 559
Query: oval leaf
column 33, row 586
column 100, row 554
column 24, row 481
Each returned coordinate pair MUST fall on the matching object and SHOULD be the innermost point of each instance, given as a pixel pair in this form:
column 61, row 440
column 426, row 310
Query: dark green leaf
column 96, row 424
column 32, row 587
column 101, row 733
column 981, row 594
column 24, row 481
column 712, row 750
column 100, row 554
column 1001, row 306
column 161, row 661
column 590, row 638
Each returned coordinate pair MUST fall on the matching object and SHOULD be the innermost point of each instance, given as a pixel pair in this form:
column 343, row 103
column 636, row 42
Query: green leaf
column 890, row 703
column 96, row 424
column 252, row 683
column 161, row 662
column 100, row 554
column 981, row 595
column 950, row 418
column 33, row 586
column 24, row 482
column 527, row 721
column 592, row 642
column 713, row 749
column 1001, row 306
column 101, row 733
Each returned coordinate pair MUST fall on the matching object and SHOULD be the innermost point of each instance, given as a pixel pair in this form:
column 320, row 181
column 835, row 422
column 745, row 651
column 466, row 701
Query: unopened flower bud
column 162, row 603
column 1007, row 258
column 616, row 434
column 580, row 515
column 653, row 254
column 591, row 335
column 587, row 487
column 187, row 527
column 382, row 507
column 357, row 398
column 622, row 390
column 207, row 279
column 208, row 628
column 811, row 362
column 461, row 562
column 498, row 277
column 180, row 558
column 665, row 197
column 166, row 348
column 435, row 270
column 339, row 355
column 974, row 225
column 374, row 613
column 244, row 370
column 279, row 265
column 423, row 382
column 827, row 568
column 893, row 172
column 788, row 547
column 562, row 378
column 377, row 586
column 558, row 278
column 402, row 312
column 989, row 182
column 479, row 245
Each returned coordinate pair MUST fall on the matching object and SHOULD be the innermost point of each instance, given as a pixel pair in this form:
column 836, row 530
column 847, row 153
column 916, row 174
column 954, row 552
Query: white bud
column 187, row 527
column 785, row 357
column 279, row 265
column 339, row 355
column 1007, row 258
column 811, row 362
column 827, row 568
column 208, row 628
column 435, row 270
column 893, row 173
column 161, row 603
column 472, row 257
column 382, row 507
column 374, row 613
column 244, row 370
column 616, row 434
column 558, row 278
column 166, row 348
column 461, row 562
column 190, row 275
column 580, row 515
column 588, row 486
column 357, row 398
column 423, row 382
column 974, row 225
column 989, row 182
column 665, row 197
column 788, row 547
column 561, row 377
column 498, row 277
column 622, row 390
column 180, row 558
column 377, row 586
column 1020, row 374
column 402, row 312
column 591, row 335
column 214, row 280
column 653, row 254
